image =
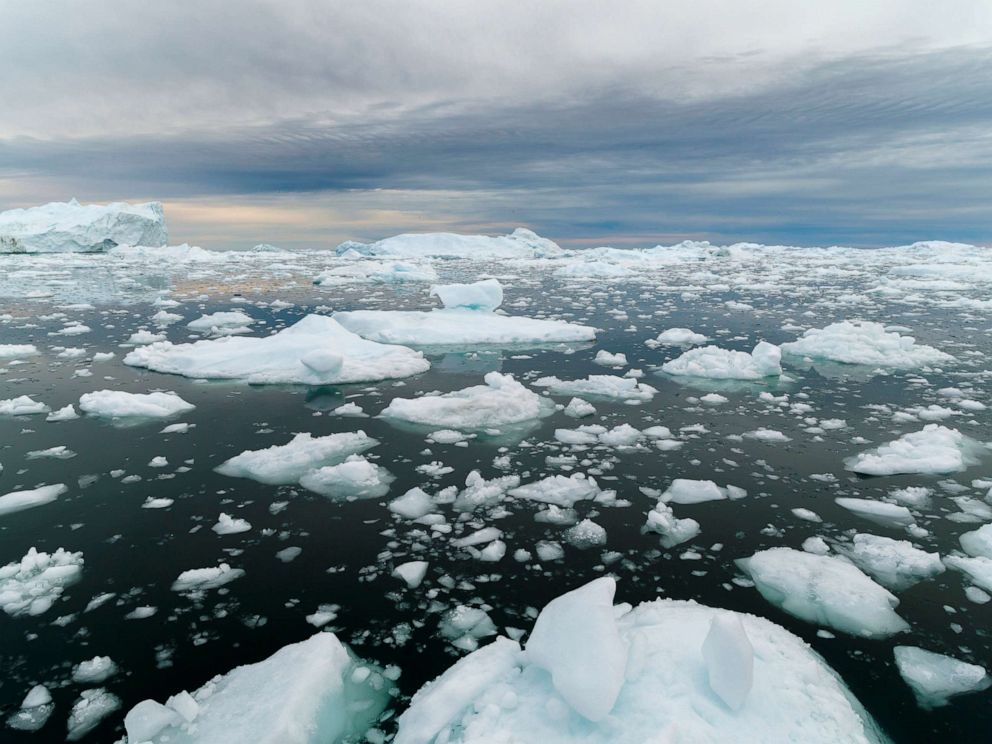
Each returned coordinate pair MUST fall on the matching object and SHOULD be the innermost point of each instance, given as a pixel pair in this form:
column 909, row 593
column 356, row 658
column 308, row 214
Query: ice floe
column 712, row 362
column 31, row 585
column 20, row 500
column 282, row 464
column 934, row 449
column 935, row 678
column 864, row 343
column 316, row 350
column 121, row 404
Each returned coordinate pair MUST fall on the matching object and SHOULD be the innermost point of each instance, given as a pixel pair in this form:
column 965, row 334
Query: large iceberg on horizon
column 665, row 671
column 316, row 350
column 71, row 227
column 521, row 243
column 311, row 692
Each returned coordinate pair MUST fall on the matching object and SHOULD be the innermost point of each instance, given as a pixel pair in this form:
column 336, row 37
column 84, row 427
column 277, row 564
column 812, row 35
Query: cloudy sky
column 306, row 122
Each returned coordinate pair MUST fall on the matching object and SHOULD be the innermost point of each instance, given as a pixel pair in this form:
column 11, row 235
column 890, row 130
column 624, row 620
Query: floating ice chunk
column 479, row 537
column 94, row 671
column 91, row 707
column 578, row 408
column 729, row 659
column 22, row 405
column 414, row 504
column 687, row 491
column 31, row 585
column 559, row 490
column 499, row 694
column 355, row 478
column 317, row 350
column 222, row 323
column 60, row 227
column 144, row 337
column 895, row 564
column 521, row 243
column 824, row 590
column 15, row 351
column 201, row 579
column 576, row 639
column 16, row 501
column 934, row 449
column 935, row 678
column 464, row 626
column 479, row 492
column 879, row 512
column 287, row 463
column 66, row 413
column 680, row 337
column 673, row 531
column 978, row 543
column 163, row 318
column 459, row 327
column 120, row 404
column 713, row 399
column 600, row 386
column 412, row 572
column 305, row 693
column 351, row 410
column 864, row 343
column 586, row 534
column 715, row 363
column 607, row 359
column 36, row 708
column 767, row 435
column 485, row 295
column 501, row 401
column 228, row 525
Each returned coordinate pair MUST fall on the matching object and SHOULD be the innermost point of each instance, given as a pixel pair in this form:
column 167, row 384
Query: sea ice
column 680, row 337
column 355, row 478
column 36, row 708
column 22, row 405
column 560, row 490
column 60, row 227
column 16, row 501
column 864, row 343
column 521, row 243
column 934, row 449
column 120, row 404
column 317, row 350
column 31, row 586
column 895, row 564
column 824, row 590
column 287, row 463
column 715, row 363
column 607, row 387
column 935, row 678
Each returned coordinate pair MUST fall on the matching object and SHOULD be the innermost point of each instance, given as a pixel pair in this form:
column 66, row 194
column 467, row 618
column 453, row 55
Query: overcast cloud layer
column 592, row 122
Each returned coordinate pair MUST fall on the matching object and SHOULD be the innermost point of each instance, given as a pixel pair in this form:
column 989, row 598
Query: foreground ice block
column 824, row 590
column 667, row 671
column 305, row 693
column 864, row 343
column 317, row 350
column 715, row 363
column 501, row 401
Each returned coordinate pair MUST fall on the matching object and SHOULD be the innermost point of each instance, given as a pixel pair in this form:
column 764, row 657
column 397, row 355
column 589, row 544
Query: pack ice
column 310, row 692
column 467, row 318
column 316, row 350
column 665, row 671
column 862, row 342
column 61, row 227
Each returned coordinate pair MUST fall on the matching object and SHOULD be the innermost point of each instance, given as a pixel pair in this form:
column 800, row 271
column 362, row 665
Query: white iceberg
column 521, row 243
column 309, row 692
column 895, row 564
column 15, row 351
column 673, row 531
column 31, row 585
column 317, row 350
column 355, row 478
column 934, row 449
column 222, row 323
column 502, row 401
column 36, row 708
column 864, row 343
column 687, row 491
column 287, row 463
column 679, row 337
column 120, row 404
column 824, row 590
column 377, row 272
column 560, row 490
column 714, row 363
column 197, row 580
column 16, row 501
column 60, row 227
column 608, row 387
column 666, row 671
column 466, row 319
column 22, row 405
column 90, row 708
column 935, row 678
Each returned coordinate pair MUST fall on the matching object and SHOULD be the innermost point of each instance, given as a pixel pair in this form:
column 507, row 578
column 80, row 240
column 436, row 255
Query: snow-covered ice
column 935, row 678
column 316, row 350
column 31, row 585
column 712, row 362
column 934, row 449
column 16, row 501
column 121, row 404
column 282, row 464
column 60, row 227
column 864, row 343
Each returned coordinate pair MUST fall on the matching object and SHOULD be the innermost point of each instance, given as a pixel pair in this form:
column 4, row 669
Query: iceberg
column 935, row 678
column 355, row 478
column 467, row 319
column 521, row 243
column 16, row 501
column 934, row 449
column 311, row 692
column 316, row 350
column 31, row 585
column 502, row 401
column 287, row 463
column 824, row 590
column 864, row 343
column 607, row 387
column 665, row 671
column 61, row 227
column 120, row 404
column 895, row 564
column 679, row 337
column 714, row 363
